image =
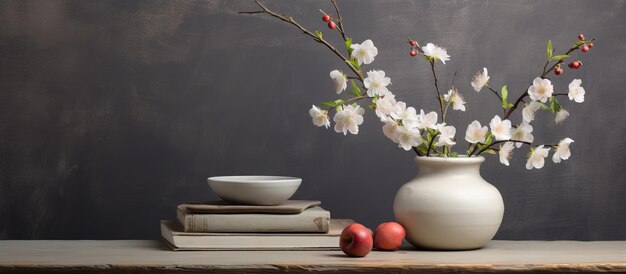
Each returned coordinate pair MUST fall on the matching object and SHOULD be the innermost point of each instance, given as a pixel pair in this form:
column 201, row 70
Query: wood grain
column 151, row 256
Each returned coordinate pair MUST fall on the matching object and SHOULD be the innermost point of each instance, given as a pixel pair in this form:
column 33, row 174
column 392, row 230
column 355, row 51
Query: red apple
column 389, row 236
column 356, row 240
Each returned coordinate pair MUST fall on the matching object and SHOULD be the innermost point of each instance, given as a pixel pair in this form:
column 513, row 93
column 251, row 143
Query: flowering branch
column 498, row 142
column 559, row 62
column 545, row 73
column 410, row 130
column 317, row 38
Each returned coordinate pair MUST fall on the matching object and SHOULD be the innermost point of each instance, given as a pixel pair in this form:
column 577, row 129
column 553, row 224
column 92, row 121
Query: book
column 178, row 240
column 314, row 219
column 288, row 207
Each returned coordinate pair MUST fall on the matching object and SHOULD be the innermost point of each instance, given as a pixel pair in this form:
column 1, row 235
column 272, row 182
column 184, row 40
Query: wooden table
column 152, row 256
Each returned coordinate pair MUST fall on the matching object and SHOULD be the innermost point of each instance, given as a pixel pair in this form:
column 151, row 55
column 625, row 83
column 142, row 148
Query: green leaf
column 318, row 34
column 371, row 106
column 559, row 57
column 505, row 93
column 544, row 107
column 509, row 105
column 355, row 63
column 423, row 148
column 549, row 49
column 356, row 91
column 578, row 43
column 330, row 104
column 490, row 151
column 554, row 105
column 488, row 139
column 454, row 154
column 348, row 44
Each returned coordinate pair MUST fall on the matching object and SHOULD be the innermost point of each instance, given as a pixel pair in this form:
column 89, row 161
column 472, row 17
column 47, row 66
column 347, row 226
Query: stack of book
column 293, row 225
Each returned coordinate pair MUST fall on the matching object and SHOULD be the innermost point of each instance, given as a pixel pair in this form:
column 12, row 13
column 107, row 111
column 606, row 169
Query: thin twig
column 449, row 102
column 501, row 141
column 454, row 77
column 340, row 25
column 432, row 67
column 473, row 150
column 290, row 20
column 494, row 92
column 431, row 144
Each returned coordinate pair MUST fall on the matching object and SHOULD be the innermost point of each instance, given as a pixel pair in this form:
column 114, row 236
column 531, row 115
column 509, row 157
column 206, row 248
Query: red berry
column 584, row 48
column 413, row 43
column 413, row 53
column 581, row 37
column 332, row 25
column 326, row 18
column 576, row 64
column 558, row 71
column 590, row 45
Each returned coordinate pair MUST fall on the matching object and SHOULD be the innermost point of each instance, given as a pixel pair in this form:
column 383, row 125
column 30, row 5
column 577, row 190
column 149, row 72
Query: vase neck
column 449, row 165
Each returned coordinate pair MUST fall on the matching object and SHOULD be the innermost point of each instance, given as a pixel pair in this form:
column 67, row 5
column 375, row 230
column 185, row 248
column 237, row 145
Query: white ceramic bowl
column 254, row 190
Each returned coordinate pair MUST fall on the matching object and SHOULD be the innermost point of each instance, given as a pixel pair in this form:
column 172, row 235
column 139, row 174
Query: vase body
column 448, row 205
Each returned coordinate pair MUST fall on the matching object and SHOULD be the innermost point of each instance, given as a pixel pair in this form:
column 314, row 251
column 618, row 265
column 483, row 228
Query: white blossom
column 408, row 115
column 446, row 135
column 454, row 98
column 425, row 121
column 364, row 52
column 320, row 117
column 541, row 90
column 385, row 106
column 340, row 81
column 376, row 83
column 500, row 129
column 436, row 52
column 348, row 118
column 562, row 150
column 537, row 157
column 480, row 80
column 576, row 92
column 390, row 129
column 408, row 137
column 475, row 133
column 523, row 132
column 561, row 115
column 505, row 153
column 528, row 113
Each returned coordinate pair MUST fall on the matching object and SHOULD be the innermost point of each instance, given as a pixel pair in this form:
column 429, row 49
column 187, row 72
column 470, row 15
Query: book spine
column 317, row 221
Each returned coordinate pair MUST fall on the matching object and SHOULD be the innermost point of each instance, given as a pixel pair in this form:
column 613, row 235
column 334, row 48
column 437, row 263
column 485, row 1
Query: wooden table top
column 153, row 256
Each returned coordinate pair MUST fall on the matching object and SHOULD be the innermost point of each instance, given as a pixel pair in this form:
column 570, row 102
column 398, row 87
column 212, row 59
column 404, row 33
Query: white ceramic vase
column 449, row 206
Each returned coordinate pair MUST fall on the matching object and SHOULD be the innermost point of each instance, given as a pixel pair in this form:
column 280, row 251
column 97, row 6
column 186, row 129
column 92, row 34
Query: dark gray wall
column 113, row 112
